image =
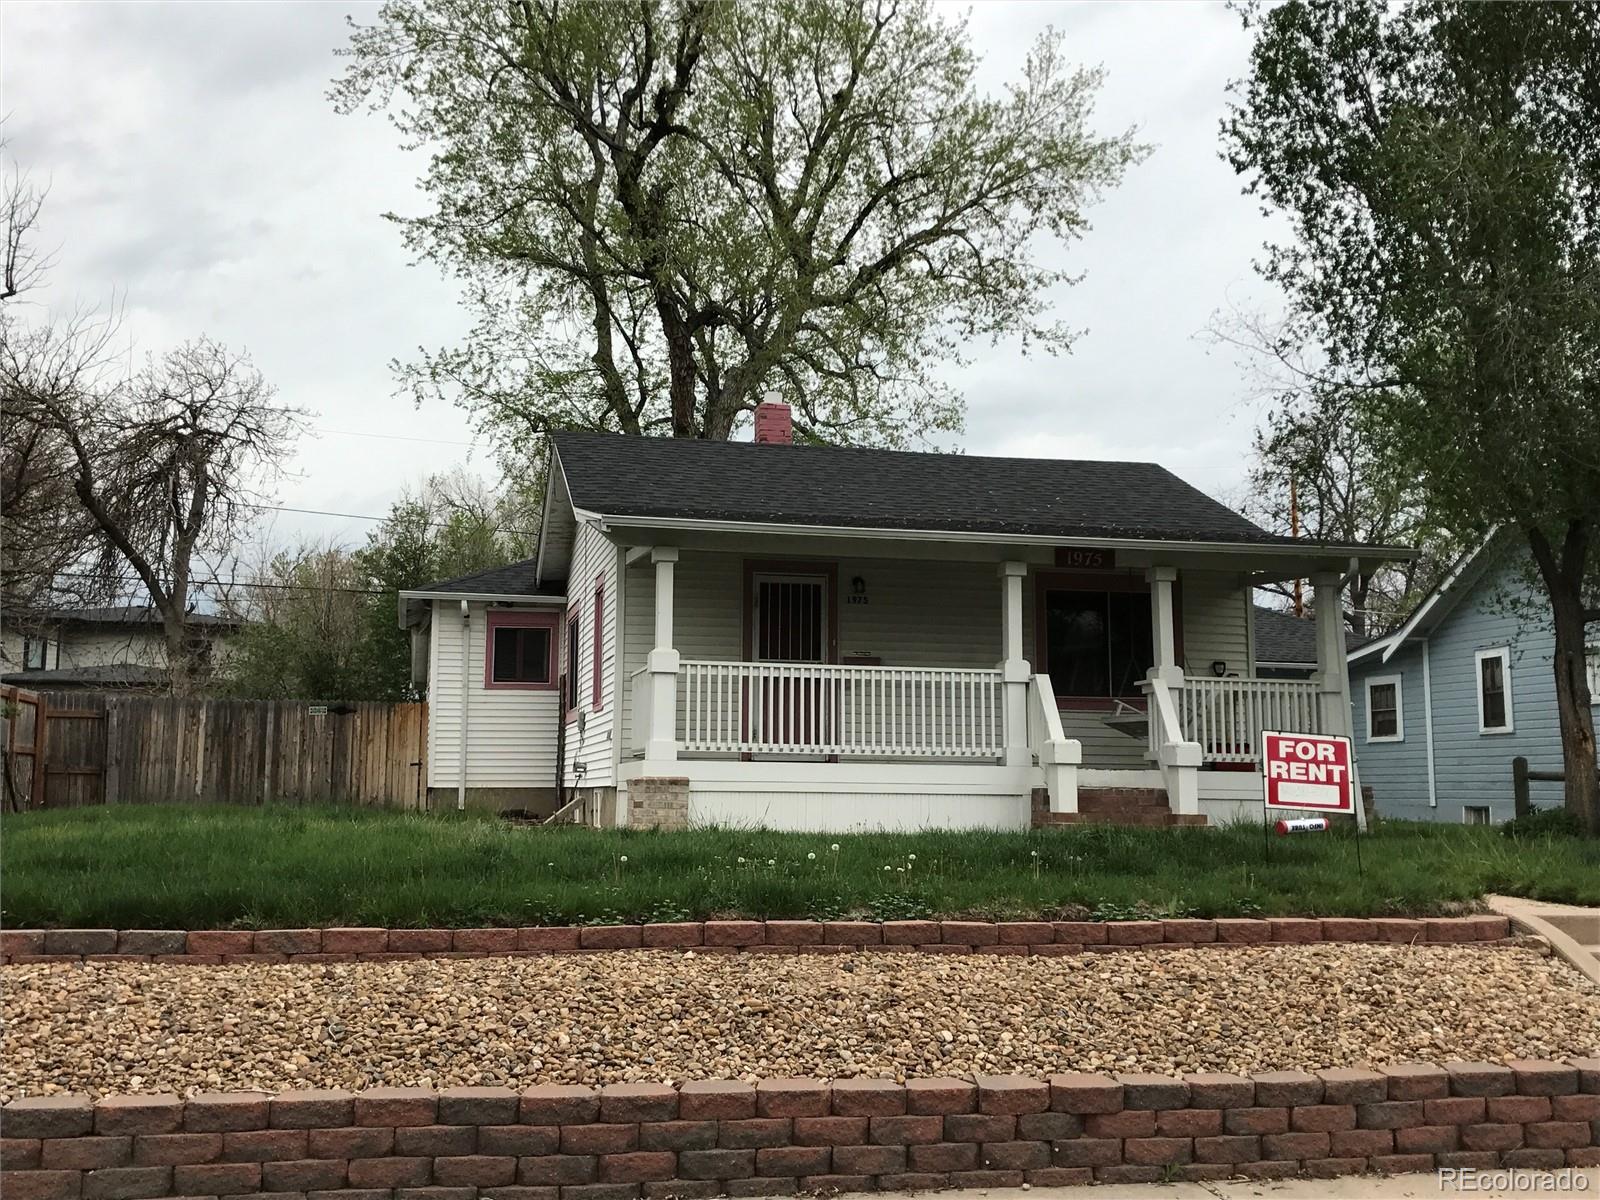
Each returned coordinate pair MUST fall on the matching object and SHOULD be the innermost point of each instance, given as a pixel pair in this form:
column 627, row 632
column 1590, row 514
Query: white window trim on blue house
column 1396, row 681
column 1503, row 653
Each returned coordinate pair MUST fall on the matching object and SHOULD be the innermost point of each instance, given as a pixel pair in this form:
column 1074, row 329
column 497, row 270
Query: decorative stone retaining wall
column 781, row 1136
column 210, row 947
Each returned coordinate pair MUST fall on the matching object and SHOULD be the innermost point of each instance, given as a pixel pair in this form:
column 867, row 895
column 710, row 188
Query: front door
column 789, row 624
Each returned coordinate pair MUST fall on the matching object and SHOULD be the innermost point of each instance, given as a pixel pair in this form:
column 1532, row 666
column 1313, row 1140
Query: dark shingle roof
column 105, row 675
column 1282, row 637
column 619, row 475
column 515, row 579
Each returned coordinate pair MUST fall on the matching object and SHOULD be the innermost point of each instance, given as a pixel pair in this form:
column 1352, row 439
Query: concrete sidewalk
column 1579, row 1182
column 1573, row 932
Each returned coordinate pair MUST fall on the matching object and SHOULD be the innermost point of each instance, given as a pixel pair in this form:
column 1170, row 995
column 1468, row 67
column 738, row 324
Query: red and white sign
column 1308, row 770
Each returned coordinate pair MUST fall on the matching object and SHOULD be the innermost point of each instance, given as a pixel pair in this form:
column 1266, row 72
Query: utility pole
column 1294, row 531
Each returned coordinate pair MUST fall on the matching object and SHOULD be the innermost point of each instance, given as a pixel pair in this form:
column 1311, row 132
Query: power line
column 250, row 583
column 321, row 512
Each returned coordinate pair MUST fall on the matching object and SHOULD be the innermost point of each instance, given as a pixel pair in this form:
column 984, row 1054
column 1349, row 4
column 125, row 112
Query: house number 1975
column 1084, row 560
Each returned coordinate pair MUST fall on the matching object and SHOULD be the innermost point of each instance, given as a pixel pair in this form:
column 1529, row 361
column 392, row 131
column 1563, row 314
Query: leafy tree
column 662, row 210
column 452, row 526
column 302, row 619
column 1318, row 473
column 1439, row 165
column 319, row 622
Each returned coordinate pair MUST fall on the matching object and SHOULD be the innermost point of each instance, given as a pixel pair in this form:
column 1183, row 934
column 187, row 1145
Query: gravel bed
column 664, row 1015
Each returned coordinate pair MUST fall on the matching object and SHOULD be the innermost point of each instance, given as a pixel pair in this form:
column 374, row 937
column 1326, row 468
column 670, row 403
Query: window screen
column 521, row 654
column 1492, row 686
column 1384, row 720
column 1098, row 643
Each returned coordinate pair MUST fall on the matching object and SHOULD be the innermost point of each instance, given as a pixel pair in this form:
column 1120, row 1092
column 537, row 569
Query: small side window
column 35, row 654
column 1385, row 715
column 573, row 622
column 520, row 651
column 1475, row 814
column 1494, row 691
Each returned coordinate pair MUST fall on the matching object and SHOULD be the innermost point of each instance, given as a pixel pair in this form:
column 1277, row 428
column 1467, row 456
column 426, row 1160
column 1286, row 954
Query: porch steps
column 1113, row 806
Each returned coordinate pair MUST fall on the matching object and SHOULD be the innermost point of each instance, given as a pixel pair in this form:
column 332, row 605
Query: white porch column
column 1333, row 672
column 661, row 742
column 1179, row 760
column 1014, row 668
column 1333, row 675
column 1164, row 626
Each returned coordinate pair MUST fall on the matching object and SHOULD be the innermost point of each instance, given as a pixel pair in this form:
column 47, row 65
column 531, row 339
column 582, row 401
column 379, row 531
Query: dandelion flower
column 772, row 862
column 623, row 858
column 741, row 858
column 911, row 857
column 834, row 847
column 811, row 856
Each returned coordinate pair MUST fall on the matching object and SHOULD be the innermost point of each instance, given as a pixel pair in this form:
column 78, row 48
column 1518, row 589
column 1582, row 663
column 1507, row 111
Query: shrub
column 1544, row 822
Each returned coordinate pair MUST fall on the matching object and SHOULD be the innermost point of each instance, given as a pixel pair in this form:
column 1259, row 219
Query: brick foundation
column 209, row 947
column 659, row 803
column 781, row 1136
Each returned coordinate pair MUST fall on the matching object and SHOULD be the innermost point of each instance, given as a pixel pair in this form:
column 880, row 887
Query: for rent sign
column 1308, row 770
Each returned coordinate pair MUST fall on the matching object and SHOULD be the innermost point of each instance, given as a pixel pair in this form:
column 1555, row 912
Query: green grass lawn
column 178, row 867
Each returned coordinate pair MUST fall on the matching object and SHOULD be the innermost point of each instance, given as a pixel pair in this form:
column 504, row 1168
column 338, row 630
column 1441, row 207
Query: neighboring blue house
column 1442, row 705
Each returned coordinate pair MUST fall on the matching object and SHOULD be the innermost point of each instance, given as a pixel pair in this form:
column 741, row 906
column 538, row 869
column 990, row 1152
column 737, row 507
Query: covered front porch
column 886, row 685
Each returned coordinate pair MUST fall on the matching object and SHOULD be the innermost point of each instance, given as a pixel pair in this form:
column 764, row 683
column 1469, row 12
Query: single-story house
column 100, row 648
column 1464, row 686
column 813, row 637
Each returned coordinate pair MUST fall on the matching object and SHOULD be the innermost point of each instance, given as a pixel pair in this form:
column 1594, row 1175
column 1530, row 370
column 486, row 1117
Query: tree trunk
column 682, row 382
column 1577, row 717
column 1563, row 576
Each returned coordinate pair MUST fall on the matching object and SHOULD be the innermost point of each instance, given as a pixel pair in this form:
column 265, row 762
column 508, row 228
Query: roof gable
column 853, row 487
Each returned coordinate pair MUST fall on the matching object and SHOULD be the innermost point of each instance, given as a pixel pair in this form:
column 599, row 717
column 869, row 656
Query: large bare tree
column 169, row 462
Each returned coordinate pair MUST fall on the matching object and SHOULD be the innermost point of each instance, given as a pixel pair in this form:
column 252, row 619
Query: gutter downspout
column 466, row 671
column 1427, row 724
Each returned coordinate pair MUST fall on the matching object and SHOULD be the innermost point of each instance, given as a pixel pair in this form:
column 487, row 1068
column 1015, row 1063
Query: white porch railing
column 804, row 708
column 1226, row 716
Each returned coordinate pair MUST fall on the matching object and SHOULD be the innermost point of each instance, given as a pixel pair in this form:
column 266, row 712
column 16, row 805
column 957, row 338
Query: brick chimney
column 774, row 425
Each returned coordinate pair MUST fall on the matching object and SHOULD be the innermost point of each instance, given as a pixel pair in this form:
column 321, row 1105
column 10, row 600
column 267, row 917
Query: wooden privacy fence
column 69, row 749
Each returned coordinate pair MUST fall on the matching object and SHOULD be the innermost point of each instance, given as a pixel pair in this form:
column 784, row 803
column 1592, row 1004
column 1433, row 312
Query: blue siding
column 1471, row 768
column 1397, row 772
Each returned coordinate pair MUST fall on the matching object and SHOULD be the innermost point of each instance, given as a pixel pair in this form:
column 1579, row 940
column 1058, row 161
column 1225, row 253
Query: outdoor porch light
column 1219, row 668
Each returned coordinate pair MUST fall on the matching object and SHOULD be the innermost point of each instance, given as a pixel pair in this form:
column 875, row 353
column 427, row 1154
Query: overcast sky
column 198, row 172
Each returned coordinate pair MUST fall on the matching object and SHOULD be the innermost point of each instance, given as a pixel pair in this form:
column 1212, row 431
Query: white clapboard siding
column 1215, row 622
column 511, row 733
column 590, row 742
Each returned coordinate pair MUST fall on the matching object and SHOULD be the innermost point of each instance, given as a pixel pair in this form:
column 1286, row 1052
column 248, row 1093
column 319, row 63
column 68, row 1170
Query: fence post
column 1519, row 786
column 41, row 724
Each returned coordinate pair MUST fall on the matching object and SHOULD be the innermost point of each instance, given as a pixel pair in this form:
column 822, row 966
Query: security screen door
column 789, row 621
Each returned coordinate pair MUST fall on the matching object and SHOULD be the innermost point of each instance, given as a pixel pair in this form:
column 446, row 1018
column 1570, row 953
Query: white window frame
column 1503, row 653
column 1399, row 734
column 1591, row 662
column 1468, row 809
